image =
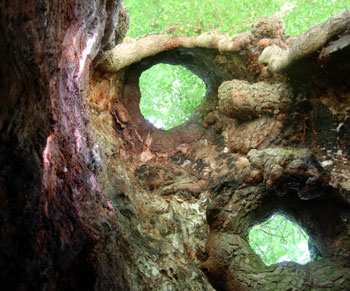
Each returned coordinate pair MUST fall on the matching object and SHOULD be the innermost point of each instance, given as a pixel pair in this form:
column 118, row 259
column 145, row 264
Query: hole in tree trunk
column 279, row 239
column 170, row 95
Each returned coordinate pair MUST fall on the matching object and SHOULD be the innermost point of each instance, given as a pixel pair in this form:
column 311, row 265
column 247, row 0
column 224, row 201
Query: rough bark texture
column 132, row 51
column 243, row 101
column 93, row 197
column 53, row 215
column 307, row 44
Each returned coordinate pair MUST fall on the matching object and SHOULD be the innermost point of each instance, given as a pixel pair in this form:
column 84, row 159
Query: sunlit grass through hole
column 169, row 95
column 278, row 239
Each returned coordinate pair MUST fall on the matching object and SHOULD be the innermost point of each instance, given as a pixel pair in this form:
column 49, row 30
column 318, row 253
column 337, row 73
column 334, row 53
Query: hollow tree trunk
column 52, row 213
column 93, row 197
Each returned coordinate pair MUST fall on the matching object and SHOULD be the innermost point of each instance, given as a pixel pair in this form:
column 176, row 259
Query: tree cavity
column 278, row 239
column 170, row 95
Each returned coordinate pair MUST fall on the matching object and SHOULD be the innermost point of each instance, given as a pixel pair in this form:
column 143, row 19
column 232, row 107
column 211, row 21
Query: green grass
column 193, row 17
column 309, row 12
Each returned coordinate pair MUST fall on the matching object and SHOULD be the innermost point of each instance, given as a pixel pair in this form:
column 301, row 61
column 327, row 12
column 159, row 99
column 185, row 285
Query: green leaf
column 276, row 239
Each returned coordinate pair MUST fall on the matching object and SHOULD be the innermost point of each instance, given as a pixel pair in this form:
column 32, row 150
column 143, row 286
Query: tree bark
column 94, row 197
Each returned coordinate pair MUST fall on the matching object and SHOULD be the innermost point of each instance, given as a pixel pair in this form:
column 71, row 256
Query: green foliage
column 191, row 17
column 307, row 13
column 169, row 95
column 278, row 239
column 315, row 253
